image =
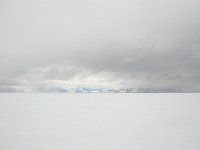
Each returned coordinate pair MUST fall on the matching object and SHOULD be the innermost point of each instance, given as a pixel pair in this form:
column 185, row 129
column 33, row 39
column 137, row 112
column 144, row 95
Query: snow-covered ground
column 99, row 121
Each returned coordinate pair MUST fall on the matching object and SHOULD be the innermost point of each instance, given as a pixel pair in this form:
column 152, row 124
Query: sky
column 50, row 45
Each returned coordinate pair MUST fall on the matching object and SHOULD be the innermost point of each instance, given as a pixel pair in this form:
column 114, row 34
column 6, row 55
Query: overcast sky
column 55, row 44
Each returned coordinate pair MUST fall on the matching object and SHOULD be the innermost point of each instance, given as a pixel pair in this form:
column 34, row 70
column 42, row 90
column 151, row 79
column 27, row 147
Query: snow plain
column 99, row 121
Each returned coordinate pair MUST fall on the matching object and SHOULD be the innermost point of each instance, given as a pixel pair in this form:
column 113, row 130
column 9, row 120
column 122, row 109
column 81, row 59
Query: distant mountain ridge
column 119, row 90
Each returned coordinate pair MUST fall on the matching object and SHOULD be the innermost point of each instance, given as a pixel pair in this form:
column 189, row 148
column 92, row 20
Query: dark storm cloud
column 48, row 45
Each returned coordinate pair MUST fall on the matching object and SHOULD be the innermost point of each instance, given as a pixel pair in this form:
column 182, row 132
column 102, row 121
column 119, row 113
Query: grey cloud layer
column 142, row 43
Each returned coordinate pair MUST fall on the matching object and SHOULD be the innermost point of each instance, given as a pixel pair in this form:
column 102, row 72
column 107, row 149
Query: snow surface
column 99, row 121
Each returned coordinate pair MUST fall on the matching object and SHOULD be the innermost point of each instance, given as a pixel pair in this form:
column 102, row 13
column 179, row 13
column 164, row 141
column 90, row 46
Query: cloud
column 60, row 44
